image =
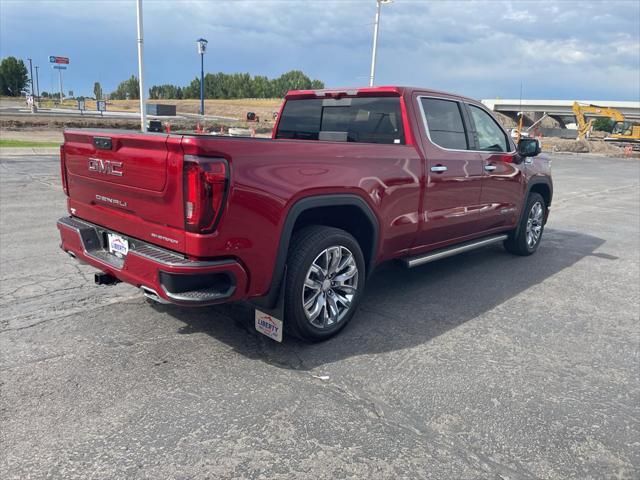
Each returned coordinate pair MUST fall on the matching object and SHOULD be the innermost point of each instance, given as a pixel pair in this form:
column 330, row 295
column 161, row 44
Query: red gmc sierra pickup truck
column 296, row 223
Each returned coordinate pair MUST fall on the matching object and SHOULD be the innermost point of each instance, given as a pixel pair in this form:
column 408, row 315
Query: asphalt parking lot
column 481, row 366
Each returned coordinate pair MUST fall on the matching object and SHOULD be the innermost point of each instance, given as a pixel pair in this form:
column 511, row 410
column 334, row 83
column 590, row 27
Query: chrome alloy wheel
column 534, row 224
column 330, row 286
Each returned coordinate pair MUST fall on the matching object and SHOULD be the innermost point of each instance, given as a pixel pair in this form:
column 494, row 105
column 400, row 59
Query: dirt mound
column 553, row 144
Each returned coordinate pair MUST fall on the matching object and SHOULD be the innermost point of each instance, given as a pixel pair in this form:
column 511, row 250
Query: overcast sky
column 558, row 49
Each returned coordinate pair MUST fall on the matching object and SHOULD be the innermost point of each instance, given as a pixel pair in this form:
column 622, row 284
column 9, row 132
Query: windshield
column 623, row 128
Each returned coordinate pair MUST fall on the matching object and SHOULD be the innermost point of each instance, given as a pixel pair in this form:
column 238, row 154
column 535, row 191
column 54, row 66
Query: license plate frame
column 117, row 245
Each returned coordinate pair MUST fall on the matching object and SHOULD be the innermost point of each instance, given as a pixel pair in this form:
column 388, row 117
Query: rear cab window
column 351, row 119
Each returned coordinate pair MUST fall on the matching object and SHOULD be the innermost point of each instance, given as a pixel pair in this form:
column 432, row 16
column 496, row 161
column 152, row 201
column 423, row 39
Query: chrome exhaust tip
column 151, row 294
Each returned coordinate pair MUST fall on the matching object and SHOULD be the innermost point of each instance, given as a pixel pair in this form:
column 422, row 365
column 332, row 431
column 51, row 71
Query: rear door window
column 444, row 123
column 491, row 138
column 362, row 119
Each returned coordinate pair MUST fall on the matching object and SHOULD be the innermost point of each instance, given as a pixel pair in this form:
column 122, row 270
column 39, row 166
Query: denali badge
column 113, row 201
column 107, row 167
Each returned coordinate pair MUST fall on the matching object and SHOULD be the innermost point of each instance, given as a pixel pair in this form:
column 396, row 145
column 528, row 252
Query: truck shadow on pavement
column 403, row 308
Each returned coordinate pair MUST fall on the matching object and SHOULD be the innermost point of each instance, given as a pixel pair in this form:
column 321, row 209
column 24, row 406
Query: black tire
column 518, row 242
column 306, row 247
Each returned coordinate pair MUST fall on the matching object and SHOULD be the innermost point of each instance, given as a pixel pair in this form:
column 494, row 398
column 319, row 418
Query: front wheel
column 325, row 280
column 526, row 238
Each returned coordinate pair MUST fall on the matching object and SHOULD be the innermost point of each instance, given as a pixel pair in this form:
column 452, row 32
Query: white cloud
column 567, row 52
column 476, row 48
column 517, row 15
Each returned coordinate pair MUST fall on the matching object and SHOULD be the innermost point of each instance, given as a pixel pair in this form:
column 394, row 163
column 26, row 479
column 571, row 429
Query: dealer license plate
column 118, row 246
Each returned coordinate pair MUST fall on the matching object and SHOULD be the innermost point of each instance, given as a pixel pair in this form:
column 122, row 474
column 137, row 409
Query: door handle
column 490, row 168
column 439, row 168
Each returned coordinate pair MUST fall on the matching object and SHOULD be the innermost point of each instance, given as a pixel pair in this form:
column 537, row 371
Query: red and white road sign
column 63, row 60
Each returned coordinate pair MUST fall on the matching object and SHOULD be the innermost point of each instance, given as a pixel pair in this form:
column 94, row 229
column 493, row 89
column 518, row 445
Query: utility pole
column 31, row 73
column 143, row 112
column 60, row 78
column 375, row 40
column 37, row 86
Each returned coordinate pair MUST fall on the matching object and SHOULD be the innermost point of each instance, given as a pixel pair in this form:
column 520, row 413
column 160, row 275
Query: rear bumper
column 159, row 272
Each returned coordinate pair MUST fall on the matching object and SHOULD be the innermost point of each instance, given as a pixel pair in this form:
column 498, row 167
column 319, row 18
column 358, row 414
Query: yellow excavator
column 624, row 131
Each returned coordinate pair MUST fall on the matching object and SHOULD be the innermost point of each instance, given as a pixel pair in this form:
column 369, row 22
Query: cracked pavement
column 481, row 366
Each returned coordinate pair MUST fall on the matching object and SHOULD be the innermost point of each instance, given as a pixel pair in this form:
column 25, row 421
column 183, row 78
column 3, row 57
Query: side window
column 491, row 138
column 444, row 123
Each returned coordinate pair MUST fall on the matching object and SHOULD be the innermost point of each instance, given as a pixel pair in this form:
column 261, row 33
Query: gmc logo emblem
column 106, row 167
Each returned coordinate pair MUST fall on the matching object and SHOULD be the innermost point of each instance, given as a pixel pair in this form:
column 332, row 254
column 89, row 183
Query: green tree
column 127, row 89
column 192, row 90
column 97, row 91
column 317, row 85
column 293, row 80
column 224, row 85
column 13, row 76
column 262, row 87
column 52, row 95
column 165, row 91
column 603, row 124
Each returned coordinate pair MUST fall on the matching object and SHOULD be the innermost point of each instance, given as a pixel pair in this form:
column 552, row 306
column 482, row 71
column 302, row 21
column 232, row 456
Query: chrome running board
column 410, row 262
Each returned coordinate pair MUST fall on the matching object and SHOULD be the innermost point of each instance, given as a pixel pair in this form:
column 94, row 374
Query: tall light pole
column 375, row 39
column 60, row 68
column 143, row 112
column 31, row 74
column 37, row 85
column 202, row 47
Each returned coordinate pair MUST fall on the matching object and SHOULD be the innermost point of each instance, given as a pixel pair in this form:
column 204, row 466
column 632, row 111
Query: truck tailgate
column 129, row 182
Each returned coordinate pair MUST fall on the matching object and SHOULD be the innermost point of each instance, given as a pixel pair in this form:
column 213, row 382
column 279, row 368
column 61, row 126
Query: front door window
column 491, row 138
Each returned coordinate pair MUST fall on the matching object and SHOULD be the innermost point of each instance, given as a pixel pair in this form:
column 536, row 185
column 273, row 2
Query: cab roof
column 387, row 90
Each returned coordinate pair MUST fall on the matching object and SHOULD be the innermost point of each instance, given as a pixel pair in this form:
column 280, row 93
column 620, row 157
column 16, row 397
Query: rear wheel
column 325, row 280
column 526, row 238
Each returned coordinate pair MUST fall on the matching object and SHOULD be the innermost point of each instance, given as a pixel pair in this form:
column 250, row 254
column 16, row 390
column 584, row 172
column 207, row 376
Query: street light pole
column 202, row 83
column 202, row 47
column 375, row 40
column 143, row 112
column 60, row 80
column 31, row 73
column 37, row 85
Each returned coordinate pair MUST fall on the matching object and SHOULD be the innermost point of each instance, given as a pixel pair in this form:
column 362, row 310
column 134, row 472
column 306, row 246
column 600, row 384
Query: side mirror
column 529, row 147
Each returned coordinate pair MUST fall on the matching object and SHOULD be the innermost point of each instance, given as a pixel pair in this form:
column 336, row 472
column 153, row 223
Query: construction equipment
column 624, row 131
column 519, row 132
column 519, row 129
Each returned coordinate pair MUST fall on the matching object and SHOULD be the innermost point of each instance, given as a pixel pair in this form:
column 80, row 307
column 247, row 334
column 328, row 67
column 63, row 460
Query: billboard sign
column 102, row 105
column 62, row 60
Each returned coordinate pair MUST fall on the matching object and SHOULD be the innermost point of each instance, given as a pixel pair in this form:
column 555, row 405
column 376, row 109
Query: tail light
column 205, row 187
column 63, row 172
